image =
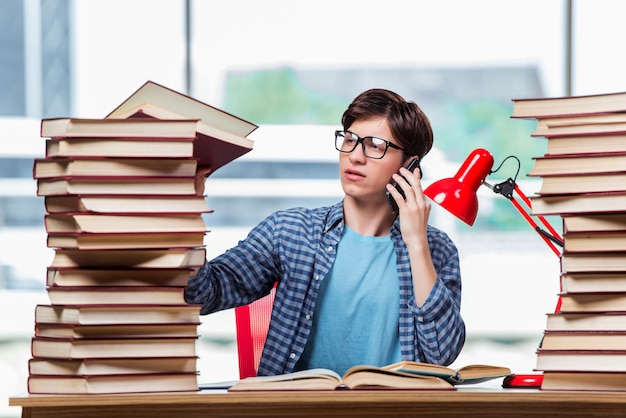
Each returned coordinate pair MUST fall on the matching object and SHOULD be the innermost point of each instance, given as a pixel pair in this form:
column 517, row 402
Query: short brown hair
column 408, row 123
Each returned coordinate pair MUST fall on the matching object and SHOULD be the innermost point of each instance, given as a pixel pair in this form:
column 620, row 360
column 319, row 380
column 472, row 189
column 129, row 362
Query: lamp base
column 523, row 381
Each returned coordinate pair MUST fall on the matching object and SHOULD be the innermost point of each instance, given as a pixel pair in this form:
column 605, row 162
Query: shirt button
column 330, row 249
column 308, row 317
column 292, row 355
column 317, row 277
column 420, row 319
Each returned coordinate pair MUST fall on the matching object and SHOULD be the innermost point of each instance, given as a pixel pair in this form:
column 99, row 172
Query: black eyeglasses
column 375, row 148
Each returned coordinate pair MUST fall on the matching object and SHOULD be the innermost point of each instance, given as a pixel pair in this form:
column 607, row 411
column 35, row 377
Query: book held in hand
column 221, row 136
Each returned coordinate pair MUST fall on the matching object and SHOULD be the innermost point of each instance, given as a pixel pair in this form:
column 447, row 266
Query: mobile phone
column 415, row 163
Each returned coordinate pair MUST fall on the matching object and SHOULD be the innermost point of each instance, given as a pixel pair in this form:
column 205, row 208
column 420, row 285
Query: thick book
column 117, row 277
column 584, row 144
column 110, row 384
column 111, row 366
column 601, row 222
column 221, row 136
column 593, row 282
column 81, row 348
column 581, row 124
column 587, row 203
column 118, row 204
column 610, row 321
column 105, row 295
column 358, row 377
column 116, row 314
column 583, row 340
column 543, row 107
column 93, row 129
column 102, row 223
column 599, row 242
column 552, row 165
column 55, row 330
column 583, row 183
column 581, row 360
column 593, row 262
column 123, row 240
column 584, row 381
column 593, row 302
column 559, row 130
column 185, row 186
column 169, row 258
column 172, row 102
column 120, row 147
column 97, row 166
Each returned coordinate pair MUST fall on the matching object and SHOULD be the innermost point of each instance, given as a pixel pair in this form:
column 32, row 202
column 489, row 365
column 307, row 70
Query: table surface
column 346, row 403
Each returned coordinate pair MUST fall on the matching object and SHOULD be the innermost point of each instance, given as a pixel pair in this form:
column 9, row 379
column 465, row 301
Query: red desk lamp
column 458, row 196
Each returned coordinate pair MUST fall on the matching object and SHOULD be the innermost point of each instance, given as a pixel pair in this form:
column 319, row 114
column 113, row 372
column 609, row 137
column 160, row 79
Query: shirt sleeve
column 241, row 275
column 440, row 329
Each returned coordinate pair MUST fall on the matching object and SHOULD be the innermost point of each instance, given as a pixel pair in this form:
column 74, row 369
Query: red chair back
column 252, row 322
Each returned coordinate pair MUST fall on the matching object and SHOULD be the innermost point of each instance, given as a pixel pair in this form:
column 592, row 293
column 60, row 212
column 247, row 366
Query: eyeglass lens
column 373, row 147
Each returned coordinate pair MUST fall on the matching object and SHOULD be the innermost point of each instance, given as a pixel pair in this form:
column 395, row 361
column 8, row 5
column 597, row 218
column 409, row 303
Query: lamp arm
column 506, row 189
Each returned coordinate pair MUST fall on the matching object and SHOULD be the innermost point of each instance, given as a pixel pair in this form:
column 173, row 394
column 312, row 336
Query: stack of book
column 126, row 224
column 583, row 175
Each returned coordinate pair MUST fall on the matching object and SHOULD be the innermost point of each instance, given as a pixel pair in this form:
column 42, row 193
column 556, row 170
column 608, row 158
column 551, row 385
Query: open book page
column 358, row 377
column 313, row 379
column 470, row 374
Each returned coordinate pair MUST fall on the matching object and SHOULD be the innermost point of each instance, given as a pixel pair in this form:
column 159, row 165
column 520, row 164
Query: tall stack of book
column 583, row 175
column 126, row 224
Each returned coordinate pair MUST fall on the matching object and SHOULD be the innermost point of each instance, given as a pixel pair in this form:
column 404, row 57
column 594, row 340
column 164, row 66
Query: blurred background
column 292, row 68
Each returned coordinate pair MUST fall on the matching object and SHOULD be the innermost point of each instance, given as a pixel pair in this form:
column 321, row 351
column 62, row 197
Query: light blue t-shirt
column 356, row 316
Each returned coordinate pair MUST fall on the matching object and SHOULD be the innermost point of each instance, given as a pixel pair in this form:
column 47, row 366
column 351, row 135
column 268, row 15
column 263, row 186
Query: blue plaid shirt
column 297, row 248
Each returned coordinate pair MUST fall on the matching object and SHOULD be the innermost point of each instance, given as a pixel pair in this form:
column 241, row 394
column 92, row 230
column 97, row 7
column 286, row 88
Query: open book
column 474, row 373
column 357, row 377
column 402, row 375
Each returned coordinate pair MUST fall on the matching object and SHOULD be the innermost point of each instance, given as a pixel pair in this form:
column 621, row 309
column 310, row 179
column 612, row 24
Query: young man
column 357, row 282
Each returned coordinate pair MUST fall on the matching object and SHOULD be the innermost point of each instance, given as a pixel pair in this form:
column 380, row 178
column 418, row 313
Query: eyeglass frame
column 361, row 140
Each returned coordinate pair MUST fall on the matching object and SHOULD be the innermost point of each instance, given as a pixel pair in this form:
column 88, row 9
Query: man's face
column 365, row 178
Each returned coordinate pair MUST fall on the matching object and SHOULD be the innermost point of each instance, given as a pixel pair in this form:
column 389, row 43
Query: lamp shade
column 458, row 194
